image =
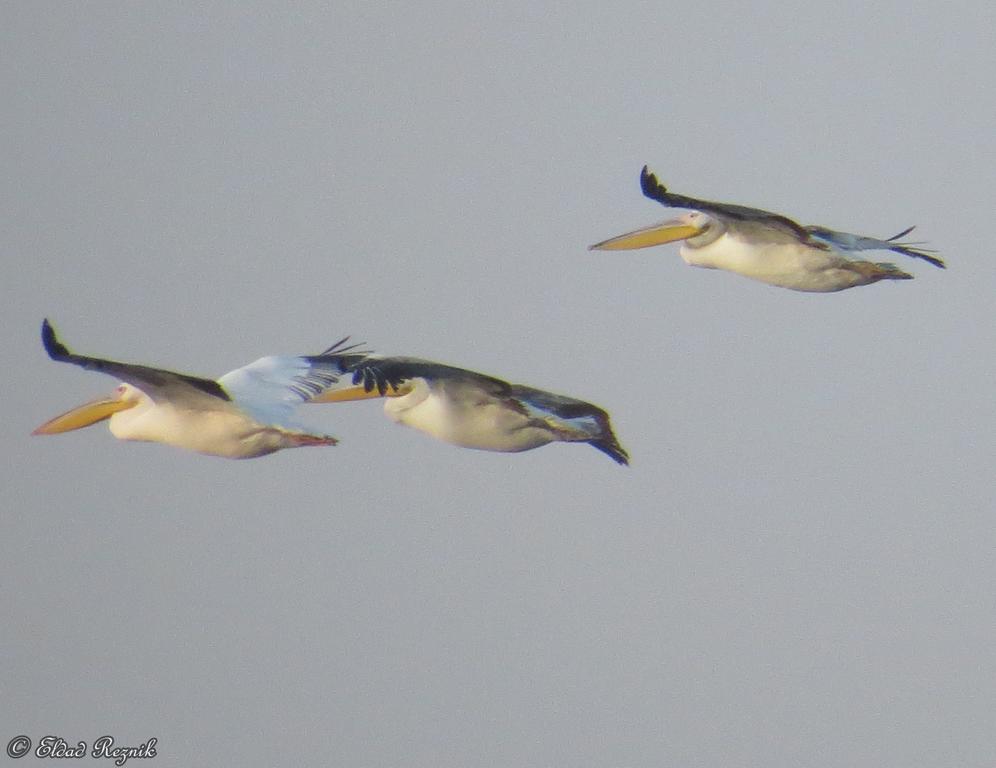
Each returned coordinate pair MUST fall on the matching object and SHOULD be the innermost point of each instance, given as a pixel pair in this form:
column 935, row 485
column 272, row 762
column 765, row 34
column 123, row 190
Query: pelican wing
column 270, row 388
column 574, row 420
column 569, row 419
column 845, row 241
column 382, row 372
column 157, row 383
column 653, row 189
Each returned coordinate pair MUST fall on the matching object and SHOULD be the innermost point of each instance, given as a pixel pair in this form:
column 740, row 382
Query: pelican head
column 694, row 227
column 124, row 397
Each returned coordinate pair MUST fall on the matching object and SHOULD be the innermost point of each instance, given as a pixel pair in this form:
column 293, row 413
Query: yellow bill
column 84, row 415
column 359, row 393
column 658, row 234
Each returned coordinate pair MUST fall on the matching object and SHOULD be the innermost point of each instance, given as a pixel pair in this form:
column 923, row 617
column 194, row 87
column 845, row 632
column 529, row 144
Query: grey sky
column 796, row 570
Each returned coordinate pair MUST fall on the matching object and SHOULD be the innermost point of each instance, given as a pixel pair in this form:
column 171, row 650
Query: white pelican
column 473, row 410
column 765, row 246
column 244, row 414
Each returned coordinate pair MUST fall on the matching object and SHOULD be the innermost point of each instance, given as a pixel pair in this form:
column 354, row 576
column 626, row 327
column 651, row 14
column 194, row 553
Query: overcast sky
column 796, row 570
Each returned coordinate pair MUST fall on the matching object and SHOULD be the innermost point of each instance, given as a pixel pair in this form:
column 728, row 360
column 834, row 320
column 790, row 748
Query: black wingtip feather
column 650, row 186
column 612, row 449
column 339, row 349
column 370, row 378
column 918, row 253
column 901, row 234
column 55, row 348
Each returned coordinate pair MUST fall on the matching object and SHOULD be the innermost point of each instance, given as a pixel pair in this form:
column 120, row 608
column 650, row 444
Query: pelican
column 473, row 410
column 766, row 246
column 244, row 414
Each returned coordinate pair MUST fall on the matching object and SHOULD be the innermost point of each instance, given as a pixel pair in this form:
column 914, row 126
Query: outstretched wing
column 812, row 235
column 157, row 383
column 845, row 241
column 382, row 372
column 270, row 388
column 574, row 420
column 653, row 189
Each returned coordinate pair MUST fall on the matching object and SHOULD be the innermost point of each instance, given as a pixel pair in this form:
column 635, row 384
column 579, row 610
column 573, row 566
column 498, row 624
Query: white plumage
column 474, row 410
column 246, row 413
column 766, row 246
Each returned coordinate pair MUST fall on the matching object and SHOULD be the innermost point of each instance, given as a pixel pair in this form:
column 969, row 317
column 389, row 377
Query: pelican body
column 244, row 414
column 766, row 246
column 474, row 410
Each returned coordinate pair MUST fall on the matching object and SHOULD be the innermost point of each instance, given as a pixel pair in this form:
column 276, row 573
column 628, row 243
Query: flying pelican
column 765, row 246
column 244, row 414
column 473, row 410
